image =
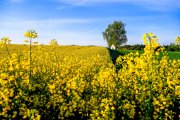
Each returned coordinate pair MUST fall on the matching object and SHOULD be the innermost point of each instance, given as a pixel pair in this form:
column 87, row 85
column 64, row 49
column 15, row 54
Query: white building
column 113, row 47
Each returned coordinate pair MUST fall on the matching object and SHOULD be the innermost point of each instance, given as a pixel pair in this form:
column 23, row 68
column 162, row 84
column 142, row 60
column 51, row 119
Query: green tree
column 115, row 34
column 53, row 42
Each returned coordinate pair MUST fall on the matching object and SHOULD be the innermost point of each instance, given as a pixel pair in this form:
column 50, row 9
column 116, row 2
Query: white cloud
column 53, row 28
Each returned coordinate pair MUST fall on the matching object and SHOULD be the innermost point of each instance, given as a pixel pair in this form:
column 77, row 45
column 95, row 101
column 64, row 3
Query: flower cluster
column 72, row 82
column 5, row 40
column 150, row 83
column 177, row 40
column 30, row 34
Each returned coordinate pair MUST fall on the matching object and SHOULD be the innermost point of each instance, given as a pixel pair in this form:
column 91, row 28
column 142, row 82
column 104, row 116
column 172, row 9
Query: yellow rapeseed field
column 72, row 82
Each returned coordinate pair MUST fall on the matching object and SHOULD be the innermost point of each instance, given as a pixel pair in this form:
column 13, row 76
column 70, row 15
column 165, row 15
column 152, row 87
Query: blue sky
column 81, row 22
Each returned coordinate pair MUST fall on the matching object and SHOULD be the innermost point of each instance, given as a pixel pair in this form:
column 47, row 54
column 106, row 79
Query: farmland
column 76, row 82
column 89, row 60
column 171, row 55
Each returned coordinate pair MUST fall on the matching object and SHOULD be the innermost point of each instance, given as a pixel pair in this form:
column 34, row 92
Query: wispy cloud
column 53, row 28
column 15, row 1
column 62, row 7
column 60, row 29
column 150, row 4
column 47, row 23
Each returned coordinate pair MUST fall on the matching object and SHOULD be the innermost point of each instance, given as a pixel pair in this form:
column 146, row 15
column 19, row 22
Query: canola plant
column 72, row 82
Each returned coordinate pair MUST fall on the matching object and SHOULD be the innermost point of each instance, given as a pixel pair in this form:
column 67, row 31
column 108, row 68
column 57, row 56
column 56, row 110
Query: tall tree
column 115, row 34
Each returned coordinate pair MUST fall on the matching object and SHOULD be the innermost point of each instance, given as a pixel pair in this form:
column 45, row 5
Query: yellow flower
column 5, row 40
column 30, row 34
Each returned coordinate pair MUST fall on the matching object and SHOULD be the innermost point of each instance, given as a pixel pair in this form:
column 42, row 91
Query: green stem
column 150, row 110
column 8, row 51
column 30, row 58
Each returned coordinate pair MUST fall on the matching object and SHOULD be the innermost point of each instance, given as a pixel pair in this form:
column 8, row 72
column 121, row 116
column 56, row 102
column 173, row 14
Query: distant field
column 172, row 55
